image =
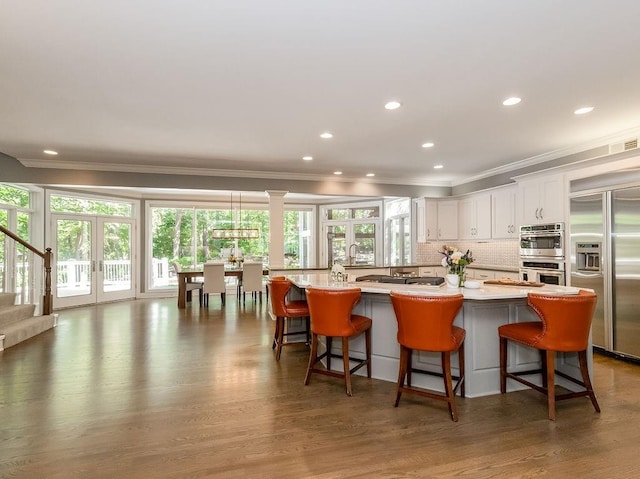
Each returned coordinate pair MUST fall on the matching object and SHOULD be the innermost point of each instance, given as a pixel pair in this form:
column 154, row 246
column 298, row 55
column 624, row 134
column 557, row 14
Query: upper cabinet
column 474, row 217
column 503, row 213
column 541, row 200
column 436, row 219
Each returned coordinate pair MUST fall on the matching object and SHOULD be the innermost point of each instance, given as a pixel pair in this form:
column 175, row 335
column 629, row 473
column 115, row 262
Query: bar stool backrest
column 330, row 310
column 425, row 322
column 278, row 289
column 566, row 320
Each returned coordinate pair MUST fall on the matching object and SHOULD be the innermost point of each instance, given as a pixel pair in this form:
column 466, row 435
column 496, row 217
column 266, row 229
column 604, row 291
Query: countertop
column 484, row 293
column 420, row 265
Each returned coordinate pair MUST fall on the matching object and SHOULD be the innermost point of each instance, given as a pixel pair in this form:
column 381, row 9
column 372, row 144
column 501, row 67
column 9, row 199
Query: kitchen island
column 484, row 309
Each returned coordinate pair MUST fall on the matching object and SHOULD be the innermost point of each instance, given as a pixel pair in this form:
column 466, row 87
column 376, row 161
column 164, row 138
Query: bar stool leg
column 402, row 372
column 461, row 368
column 313, row 357
column 551, row 386
column 503, row 365
column 448, row 385
column 345, row 363
column 280, row 329
column 582, row 356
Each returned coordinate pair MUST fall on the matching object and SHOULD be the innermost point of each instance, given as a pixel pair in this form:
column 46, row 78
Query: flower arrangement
column 454, row 260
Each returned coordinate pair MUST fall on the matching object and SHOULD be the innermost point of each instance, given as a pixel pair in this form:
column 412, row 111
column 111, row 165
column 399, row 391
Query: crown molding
column 554, row 155
column 183, row 171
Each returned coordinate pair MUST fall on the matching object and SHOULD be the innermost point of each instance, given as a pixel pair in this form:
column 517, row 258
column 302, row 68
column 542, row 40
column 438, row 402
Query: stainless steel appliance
column 542, row 253
column 546, row 240
column 605, row 256
column 543, row 270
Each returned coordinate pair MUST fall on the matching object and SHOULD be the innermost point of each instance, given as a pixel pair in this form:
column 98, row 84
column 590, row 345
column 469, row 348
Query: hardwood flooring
column 140, row 389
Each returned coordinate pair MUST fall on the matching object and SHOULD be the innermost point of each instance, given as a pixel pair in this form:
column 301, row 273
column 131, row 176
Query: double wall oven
column 542, row 253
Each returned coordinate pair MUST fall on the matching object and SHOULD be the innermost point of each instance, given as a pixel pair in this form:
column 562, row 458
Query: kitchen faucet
column 352, row 258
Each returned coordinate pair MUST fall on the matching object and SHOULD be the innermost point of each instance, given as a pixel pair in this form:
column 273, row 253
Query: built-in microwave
column 544, row 240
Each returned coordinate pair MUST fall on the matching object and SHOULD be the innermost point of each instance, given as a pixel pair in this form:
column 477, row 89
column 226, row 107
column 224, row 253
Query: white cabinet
column 503, row 213
column 481, row 274
column 474, row 215
column 447, row 220
column 432, row 271
column 541, row 200
column 421, row 220
column 436, row 219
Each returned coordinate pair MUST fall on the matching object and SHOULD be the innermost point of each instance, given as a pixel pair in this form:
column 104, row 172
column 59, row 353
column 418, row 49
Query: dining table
column 189, row 275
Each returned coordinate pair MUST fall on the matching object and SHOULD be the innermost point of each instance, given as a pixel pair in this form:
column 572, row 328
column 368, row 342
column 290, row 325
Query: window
column 182, row 238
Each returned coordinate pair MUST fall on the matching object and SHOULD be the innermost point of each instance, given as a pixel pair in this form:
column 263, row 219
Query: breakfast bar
column 484, row 310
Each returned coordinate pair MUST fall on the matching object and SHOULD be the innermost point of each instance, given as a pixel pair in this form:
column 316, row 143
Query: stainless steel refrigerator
column 605, row 256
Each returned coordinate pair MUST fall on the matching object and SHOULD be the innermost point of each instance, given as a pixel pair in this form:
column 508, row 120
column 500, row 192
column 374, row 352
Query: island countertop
column 484, row 293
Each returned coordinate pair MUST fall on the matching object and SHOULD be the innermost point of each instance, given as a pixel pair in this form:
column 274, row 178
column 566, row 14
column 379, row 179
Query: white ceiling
column 249, row 85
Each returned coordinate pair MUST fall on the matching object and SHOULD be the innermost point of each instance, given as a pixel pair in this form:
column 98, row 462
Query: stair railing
column 47, row 299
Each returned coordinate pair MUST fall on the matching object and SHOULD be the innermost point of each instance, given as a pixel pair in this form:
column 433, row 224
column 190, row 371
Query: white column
column 276, row 228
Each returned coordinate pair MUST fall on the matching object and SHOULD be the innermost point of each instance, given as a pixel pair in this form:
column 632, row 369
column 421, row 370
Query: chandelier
column 236, row 233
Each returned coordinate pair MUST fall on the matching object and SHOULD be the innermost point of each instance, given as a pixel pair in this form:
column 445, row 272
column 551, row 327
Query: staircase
column 17, row 322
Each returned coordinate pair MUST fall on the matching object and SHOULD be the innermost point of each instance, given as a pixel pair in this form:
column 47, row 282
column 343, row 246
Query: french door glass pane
column 3, row 245
column 73, row 240
column 117, row 256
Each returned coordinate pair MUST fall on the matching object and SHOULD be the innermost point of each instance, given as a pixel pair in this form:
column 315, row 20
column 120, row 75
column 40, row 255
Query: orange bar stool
column 425, row 323
column 331, row 316
column 282, row 308
column 564, row 327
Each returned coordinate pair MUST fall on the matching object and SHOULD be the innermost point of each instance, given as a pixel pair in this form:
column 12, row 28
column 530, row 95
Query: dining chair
column 214, row 281
column 251, row 280
column 190, row 286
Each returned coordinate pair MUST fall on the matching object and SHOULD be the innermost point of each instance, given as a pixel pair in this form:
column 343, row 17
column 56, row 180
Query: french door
column 93, row 259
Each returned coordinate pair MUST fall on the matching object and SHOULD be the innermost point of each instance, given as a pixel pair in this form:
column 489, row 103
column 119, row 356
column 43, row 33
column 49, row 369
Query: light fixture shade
column 235, row 233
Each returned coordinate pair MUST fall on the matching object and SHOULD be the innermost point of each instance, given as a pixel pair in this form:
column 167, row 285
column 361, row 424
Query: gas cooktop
column 381, row 278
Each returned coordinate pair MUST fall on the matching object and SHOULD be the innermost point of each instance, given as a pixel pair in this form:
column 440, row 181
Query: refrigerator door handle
column 586, row 275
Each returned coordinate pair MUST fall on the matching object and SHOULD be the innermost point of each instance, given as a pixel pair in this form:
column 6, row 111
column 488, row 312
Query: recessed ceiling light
column 514, row 100
column 326, row 135
column 392, row 105
column 438, row 167
column 337, row 172
column 371, row 174
column 50, row 152
column 427, row 145
column 307, row 158
column 583, row 110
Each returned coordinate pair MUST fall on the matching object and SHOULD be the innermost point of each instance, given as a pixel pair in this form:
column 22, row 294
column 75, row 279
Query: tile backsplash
column 486, row 253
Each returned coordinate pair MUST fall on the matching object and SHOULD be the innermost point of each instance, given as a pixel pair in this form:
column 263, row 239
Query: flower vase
column 461, row 277
column 453, row 280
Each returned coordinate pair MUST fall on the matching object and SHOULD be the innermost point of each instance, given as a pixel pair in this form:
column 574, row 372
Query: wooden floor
column 141, row 390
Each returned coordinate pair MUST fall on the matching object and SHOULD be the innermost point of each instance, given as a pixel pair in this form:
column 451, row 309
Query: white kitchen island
column 483, row 310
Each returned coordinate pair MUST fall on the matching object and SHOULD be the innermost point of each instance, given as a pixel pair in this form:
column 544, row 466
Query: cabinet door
column 552, row 200
column 421, row 221
column 447, row 220
column 431, row 225
column 466, row 218
column 529, row 202
column 542, row 200
column 483, row 217
column 503, row 214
